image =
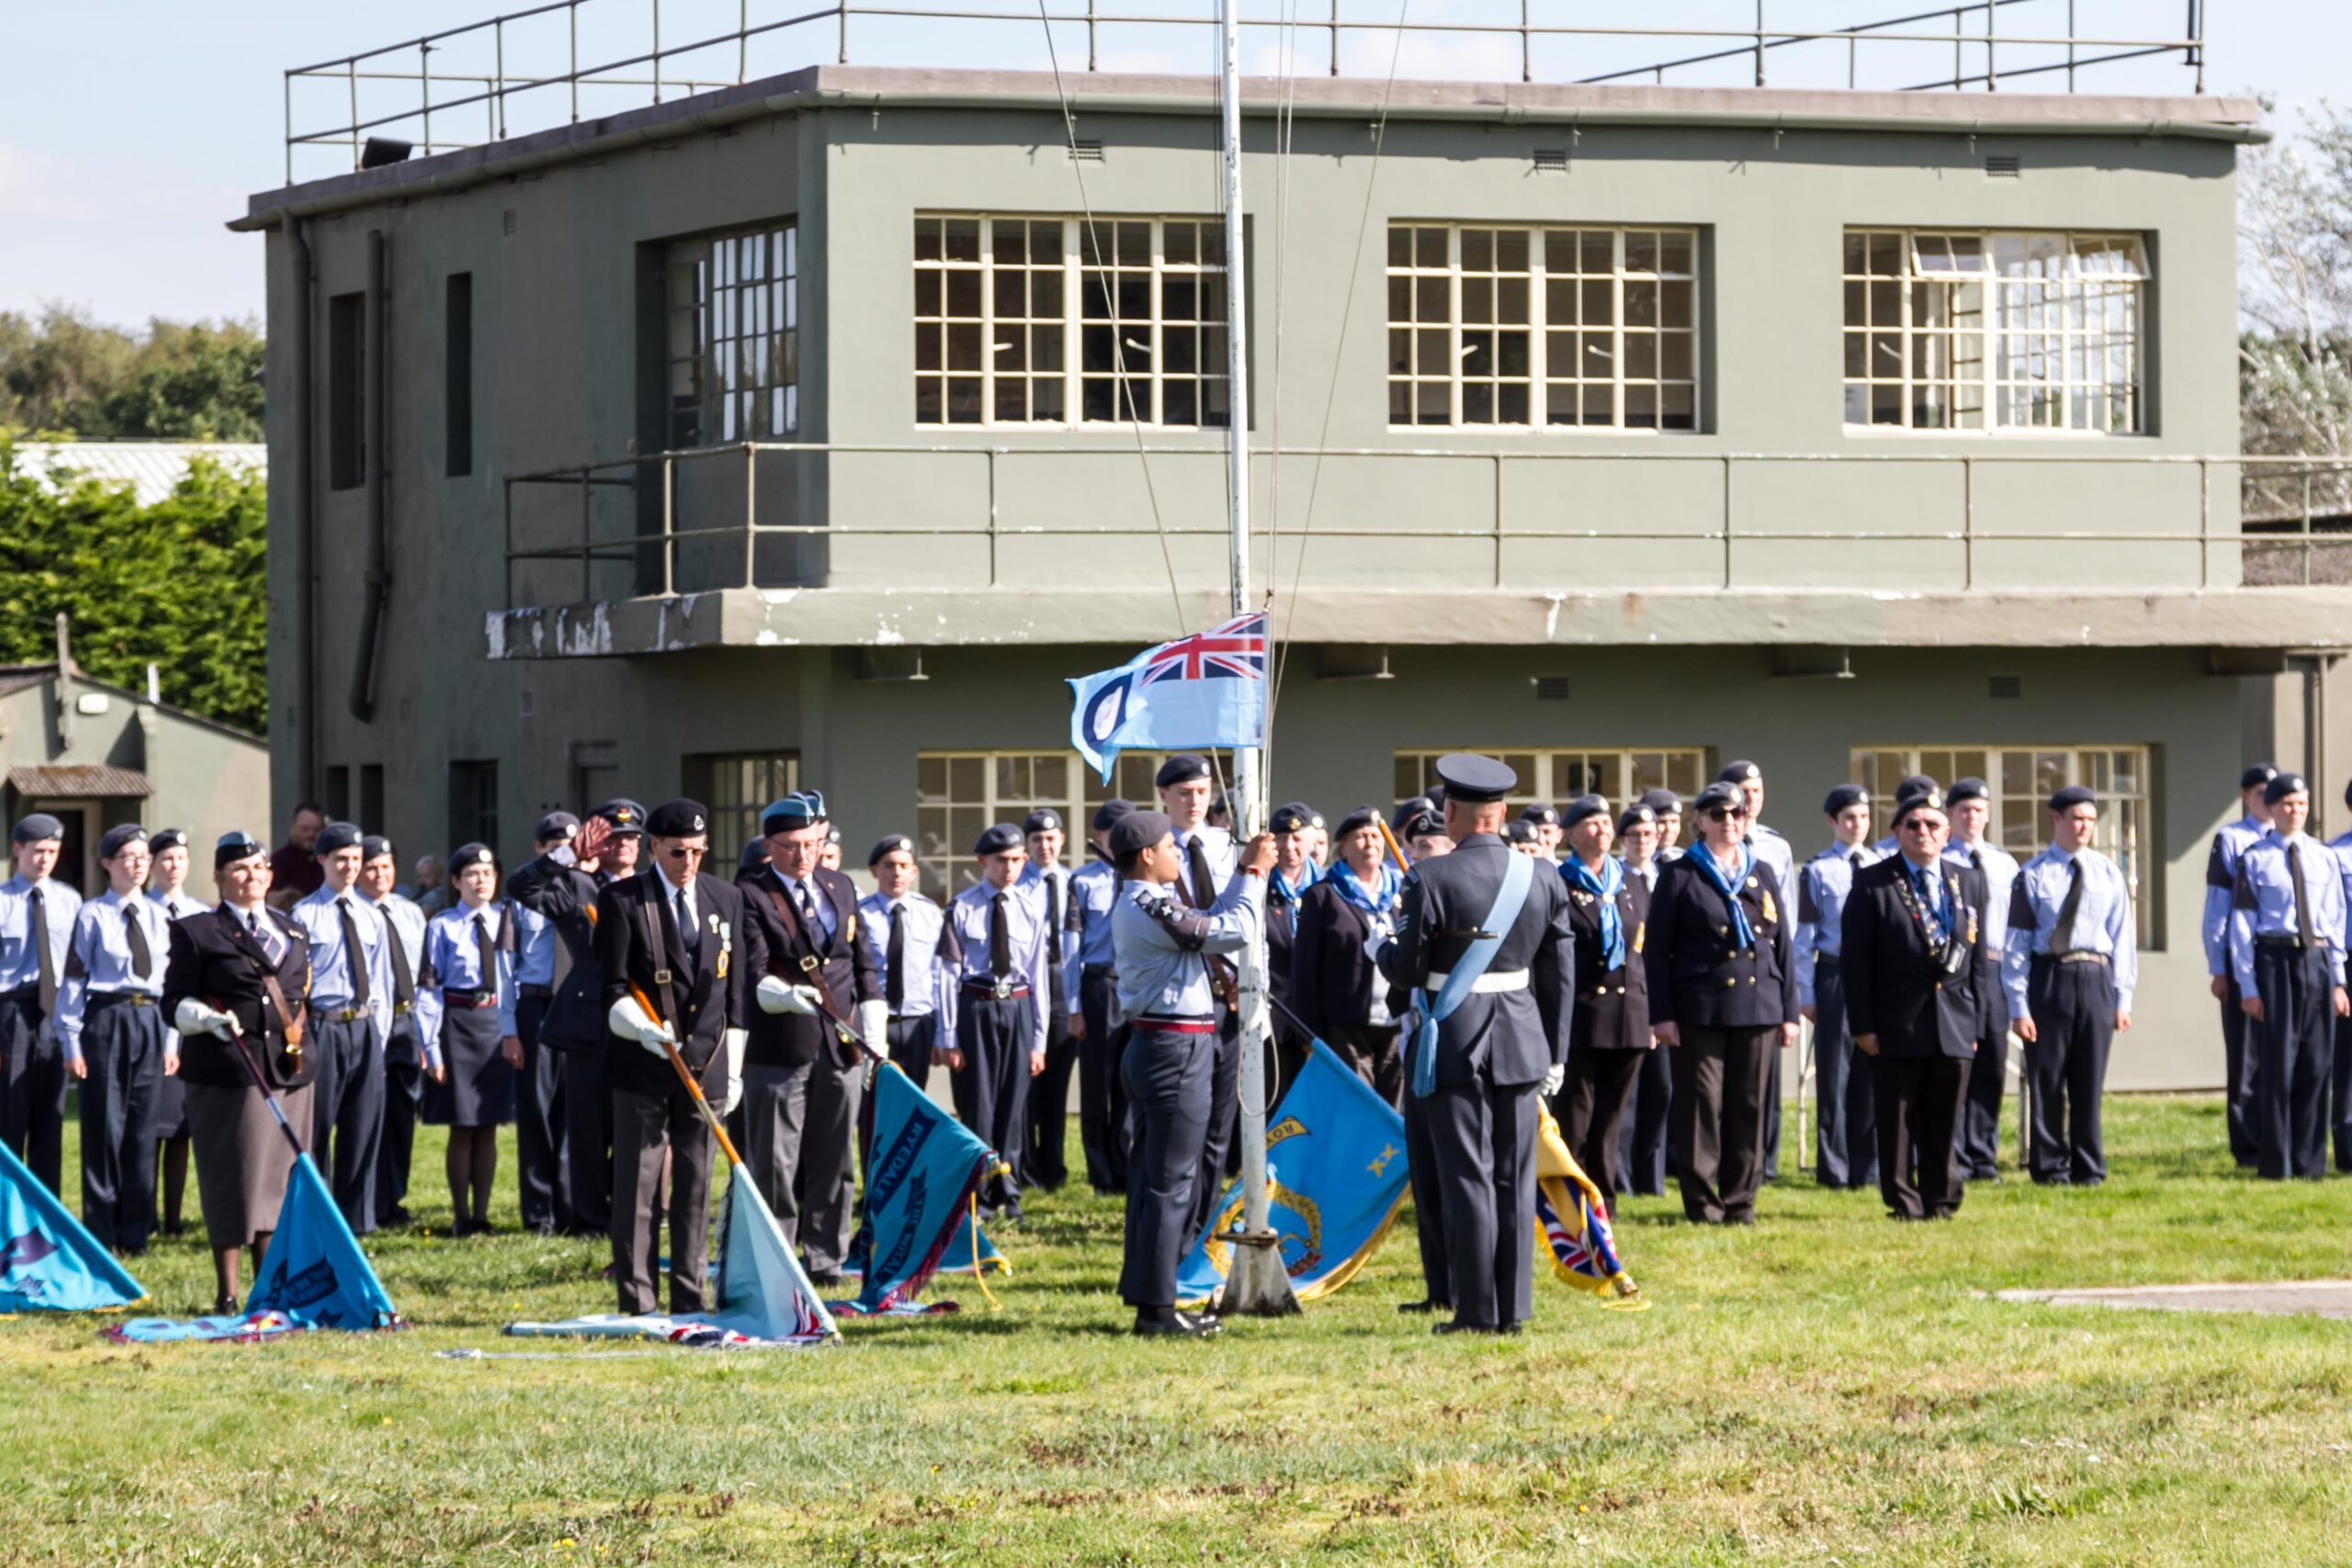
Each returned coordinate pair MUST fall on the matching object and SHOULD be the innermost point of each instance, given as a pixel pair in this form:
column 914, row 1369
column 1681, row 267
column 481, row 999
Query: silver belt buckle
column 660, row 976
column 1004, row 989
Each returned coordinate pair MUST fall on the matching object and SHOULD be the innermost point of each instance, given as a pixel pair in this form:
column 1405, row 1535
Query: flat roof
column 2204, row 117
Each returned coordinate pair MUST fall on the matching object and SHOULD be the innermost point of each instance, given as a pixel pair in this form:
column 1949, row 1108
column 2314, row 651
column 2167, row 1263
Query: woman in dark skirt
column 167, row 884
column 465, row 1018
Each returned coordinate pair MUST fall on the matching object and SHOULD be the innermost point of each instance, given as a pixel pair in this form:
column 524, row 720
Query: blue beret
column 1519, row 830
column 2282, row 787
column 555, row 825
column 1844, row 795
column 118, row 837
column 1739, row 772
column 337, row 836
column 1542, row 814
column 997, row 840
column 38, row 827
column 1967, row 789
column 1045, row 819
column 234, row 845
column 1665, row 802
column 1361, row 816
column 2073, row 795
column 1919, row 800
column 1421, row 824
column 1717, row 796
column 1295, row 816
column 375, row 846
column 790, row 814
column 168, row 839
column 1913, row 783
column 1635, row 816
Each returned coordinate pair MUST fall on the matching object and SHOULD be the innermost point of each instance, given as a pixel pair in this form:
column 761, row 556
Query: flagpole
column 1259, row 1284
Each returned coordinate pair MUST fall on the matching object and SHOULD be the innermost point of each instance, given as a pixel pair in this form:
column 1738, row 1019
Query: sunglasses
column 1724, row 813
column 685, row 852
column 1919, row 825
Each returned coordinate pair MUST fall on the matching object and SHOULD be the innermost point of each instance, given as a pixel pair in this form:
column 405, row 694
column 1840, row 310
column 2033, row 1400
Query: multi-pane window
column 735, row 337
column 1021, row 319
column 1593, row 328
column 1622, row 775
column 2021, row 781
column 960, row 794
column 1994, row 330
column 738, row 788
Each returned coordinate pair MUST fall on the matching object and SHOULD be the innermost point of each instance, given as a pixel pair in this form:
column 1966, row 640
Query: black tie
column 894, row 985
column 1855, row 860
column 484, row 956
column 142, row 957
column 403, row 977
column 1000, row 941
column 2302, row 900
column 354, row 957
column 689, row 939
column 1976, row 859
column 47, row 960
column 808, row 918
column 1203, row 885
column 2061, row 935
column 1054, row 919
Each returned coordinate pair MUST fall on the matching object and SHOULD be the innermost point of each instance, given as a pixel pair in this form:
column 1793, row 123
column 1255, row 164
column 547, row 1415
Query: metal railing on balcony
column 760, row 514
column 568, row 60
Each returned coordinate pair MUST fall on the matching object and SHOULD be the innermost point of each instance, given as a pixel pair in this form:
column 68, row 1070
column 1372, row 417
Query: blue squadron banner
column 48, row 1262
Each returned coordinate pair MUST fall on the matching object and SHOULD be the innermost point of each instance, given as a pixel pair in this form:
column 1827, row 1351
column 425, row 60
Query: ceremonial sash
column 1519, row 874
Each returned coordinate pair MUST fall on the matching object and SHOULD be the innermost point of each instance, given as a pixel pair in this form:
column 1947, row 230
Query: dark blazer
column 566, row 896
column 1282, row 941
column 707, row 1007
column 216, row 960
column 1612, row 1007
column 1515, row 1035
column 1330, row 979
column 850, row 966
column 1696, row 975
column 1895, row 987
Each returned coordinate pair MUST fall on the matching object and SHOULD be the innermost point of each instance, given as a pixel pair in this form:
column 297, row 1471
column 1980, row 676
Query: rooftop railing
column 568, row 60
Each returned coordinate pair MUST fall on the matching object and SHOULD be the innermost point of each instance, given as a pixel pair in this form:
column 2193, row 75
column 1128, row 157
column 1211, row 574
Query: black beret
column 1912, row 784
column 1582, row 806
column 1137, row 831
column 1739, row 772
column 1473, row 779
column 1290, row 818
column 1110, row 811
column 1967, row 789
column 234, row 845
column 468, row 856
column 2073, row 795
column 2282, row 787
column 1665, row 802
column 1542, row 814
column 555, row 825
column 832, row 833
column 997, row 840
column 679, row 819
column 1422, row 825
column 2257, row 776
column 890, row 845
column 2348, row 795
column 1360, row 818
column 1182, row 768
column 168, row 839
column 754, row 855
column 38, row 827
column 791, row 813
column 1420, row 805
column 1519, row 830
column 117, row 837
column 1045, row 819
column 625, row 816
column 375, row 846
column 1843, row 796
column 1919, row 800
column 1635, row 816
column 1718, row 794
column 337, row 836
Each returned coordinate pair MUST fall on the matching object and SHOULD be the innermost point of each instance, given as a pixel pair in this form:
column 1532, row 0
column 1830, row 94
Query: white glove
column 1383, row 931
column 192, row 1017
column 776, row 995
column 874, row 1028
column 1553, row 1076
column 629, row 1021
column 735, row 1039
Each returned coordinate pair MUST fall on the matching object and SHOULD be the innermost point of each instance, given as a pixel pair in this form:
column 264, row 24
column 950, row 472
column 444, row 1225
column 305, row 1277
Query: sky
column 132, row 130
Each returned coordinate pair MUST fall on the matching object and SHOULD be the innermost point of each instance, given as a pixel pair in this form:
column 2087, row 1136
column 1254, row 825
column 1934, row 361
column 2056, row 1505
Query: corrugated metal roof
column 150, row 467
column 71, row 780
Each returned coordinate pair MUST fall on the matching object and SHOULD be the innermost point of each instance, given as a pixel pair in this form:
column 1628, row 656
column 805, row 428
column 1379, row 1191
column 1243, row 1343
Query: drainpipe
column 306, row 520
column 378, row 583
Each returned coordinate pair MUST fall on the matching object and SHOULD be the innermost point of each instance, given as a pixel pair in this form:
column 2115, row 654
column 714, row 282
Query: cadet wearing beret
column 466, row 1025
column 1845, row 1135
column 168, row 883
column 1209, row 884
column 1161, row 953
column 403, row 1049
column 903, row 926
column 36, row 927
column 542, row 1178
column 1641, row 1161
column 1336, row 992
column 675, row 937
column 1294, row 874
column 2241, row 1069
column 1724, row 997
column 1100, row 1030
column 2342, row 1065
column 1045, row 1162
column 2287, row 931
column 351, row 1015
column 1544, row 822
column 1969, row 802
column 113, row 1040
column 1609, row 909
column 1496, row 1001
column 1912, row 939
column 1667, row 808
column 2072, row 960
column 994, row 953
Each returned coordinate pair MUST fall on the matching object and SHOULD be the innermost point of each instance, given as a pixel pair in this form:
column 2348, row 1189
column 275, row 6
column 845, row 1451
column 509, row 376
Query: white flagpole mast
column 1258, row 1283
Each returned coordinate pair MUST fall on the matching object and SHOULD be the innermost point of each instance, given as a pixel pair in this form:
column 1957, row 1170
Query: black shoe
column 1456, row 1326
column 398, row 1214
column 1180, row 1325
column 224, row 1306
column 547, row 1232
column 175, row 1228
column 1426, row 1304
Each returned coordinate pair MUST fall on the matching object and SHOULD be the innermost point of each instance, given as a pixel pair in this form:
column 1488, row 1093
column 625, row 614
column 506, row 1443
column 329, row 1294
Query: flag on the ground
column 1205, row 690
column 919, row 1193
column 1571, row 1222
column 48, row 1262
column 1336, row 1174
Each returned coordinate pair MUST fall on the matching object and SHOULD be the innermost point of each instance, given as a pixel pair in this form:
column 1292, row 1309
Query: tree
column 2295, row 281
column 66, row 375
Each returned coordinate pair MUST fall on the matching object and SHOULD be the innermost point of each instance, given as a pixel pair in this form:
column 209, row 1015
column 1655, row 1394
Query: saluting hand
column 593, row 836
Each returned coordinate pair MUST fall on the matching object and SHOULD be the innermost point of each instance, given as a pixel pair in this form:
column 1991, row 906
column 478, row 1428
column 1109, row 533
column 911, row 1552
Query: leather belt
column 1487, row 985
column 122, row 998
column 532, row 990
column 998, row 990
column 1823, row 961
column 339, row 1015
column 2080, row 956
column 2288, row 943
column 1178, row 1025
column 468, row 1000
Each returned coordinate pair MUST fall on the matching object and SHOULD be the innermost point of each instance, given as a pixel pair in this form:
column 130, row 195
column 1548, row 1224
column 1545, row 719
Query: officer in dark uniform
column 1607, row 908
column 1100, row 1032
column 1641, row 1161
column 1912, row 957
column 1724, row 997
column 1336, row 992
column 1503, row 1045
column 542, row 1177
column 1294, row 876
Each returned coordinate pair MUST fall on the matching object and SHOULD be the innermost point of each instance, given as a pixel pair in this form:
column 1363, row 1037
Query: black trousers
column 2342, row 1073
column 403, row 1097
column 2073, row 1023
column 1980, row 1126
column 1845, row 1143
column 122, row 1048
column 645, row 1128
column 2240, row 1075
column 1047, row 1163
column 32, row 1088
column 1101, row 1090
column 1643, row 1164
column 824, row 1172
column 991, row 1089
column 1590, row 1108
column 543, row 1184
column 347, row 1113
column 1223, row 1146
column 1167, row 1075
column 1772, row 1119
column 1721, row 1080
column 588, row 1138
column 1483, row 1134
column 1919, row 1104
column 1370, row 1051
column 2296, row 1041
column 1429, row 1203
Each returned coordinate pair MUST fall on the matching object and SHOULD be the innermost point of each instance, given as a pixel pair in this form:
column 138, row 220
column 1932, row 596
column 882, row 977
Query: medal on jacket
column 726, row 943
column 1771, row 915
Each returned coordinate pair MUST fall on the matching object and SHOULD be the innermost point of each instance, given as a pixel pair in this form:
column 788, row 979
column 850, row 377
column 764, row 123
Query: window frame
column 944, row 861
column 725, row 781
column 1544, row 759
column 726, row 315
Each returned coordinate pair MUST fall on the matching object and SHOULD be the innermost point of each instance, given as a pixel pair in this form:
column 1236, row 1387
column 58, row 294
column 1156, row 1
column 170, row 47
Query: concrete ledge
column 2230, row 618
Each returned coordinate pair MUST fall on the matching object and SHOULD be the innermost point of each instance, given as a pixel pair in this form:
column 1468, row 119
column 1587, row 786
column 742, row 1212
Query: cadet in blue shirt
column 1846, row 1121
column 2287, row 931
column 350, row 1018
column 904, row 926
column 1773, row 850
column 2342, row 1073
column 995, row 950
column 1045, row 1162
column 1089, row 979
column 1970, row 805
column 112, row 1035
column 36, row 925
column 465, row 1016
column 2241, row 1069
column 2069, row 968
column 403, row 1053
column 542, row 1178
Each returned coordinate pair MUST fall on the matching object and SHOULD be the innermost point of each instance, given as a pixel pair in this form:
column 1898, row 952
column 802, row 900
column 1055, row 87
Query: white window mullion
column 1539, row 360
column 1073, row 321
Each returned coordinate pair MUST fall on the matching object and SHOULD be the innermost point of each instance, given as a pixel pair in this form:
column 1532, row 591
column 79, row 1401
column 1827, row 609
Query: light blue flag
column 48, row 1262
column 919, row 1190
column 1206, row 690
column 764, row 1293
column 314, row 1271
column 1335, row 1160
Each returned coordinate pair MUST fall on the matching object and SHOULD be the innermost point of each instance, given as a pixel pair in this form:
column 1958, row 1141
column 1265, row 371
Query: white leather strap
column 1484, row 984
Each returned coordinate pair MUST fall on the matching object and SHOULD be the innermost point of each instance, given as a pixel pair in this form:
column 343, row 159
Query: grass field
column 1826, row 1387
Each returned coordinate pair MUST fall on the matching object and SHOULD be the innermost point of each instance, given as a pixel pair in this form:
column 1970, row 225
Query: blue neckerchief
column 1728, row 883
column 1939, row 910
column 1370, row 902
column 1279, row 886
column 1604, row 889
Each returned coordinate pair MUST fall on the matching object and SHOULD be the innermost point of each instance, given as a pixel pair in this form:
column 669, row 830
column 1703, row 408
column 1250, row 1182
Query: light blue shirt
column 2221, row 880
column 534, row 947
column 919, row 975
column 97, row 963
column 452, row 963
column 2102, row 923
column 1160, row 975
column 2001, row 869
column 826, row 916
column 1055, row 912
column 332, row 985
column 967, row 957
column 19, row 960
column 1823, row 887
column 407, row 919
column 1086, row 942
column 1774, row 850
column 2263, row 903
column 2342, row 845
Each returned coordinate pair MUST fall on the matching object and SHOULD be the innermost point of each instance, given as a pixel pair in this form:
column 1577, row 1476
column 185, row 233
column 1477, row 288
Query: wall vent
column 1086, row 150
column 1551, row 161
column 2007, row 688
column 507, row 222
column 2002, row 165
column 1551, row 688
